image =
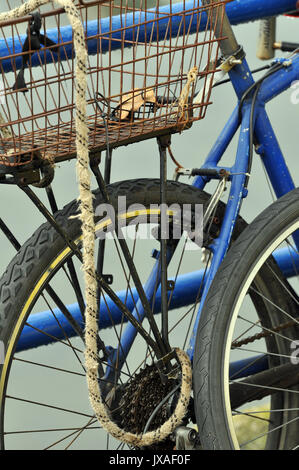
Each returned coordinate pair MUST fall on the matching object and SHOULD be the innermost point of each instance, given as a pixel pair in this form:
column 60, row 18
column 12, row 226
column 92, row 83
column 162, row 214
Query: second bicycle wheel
column 43, row 395
column 246, row 367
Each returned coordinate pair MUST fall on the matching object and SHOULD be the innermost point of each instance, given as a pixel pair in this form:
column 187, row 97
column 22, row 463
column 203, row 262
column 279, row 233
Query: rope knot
column 183, row 99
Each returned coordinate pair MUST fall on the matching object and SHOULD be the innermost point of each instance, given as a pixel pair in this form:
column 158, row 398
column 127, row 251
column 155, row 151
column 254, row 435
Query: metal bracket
column 211, row 173
column 186, row 438
column 168, row 366
column 286, row 62
column 26, row 177
column 236, row 59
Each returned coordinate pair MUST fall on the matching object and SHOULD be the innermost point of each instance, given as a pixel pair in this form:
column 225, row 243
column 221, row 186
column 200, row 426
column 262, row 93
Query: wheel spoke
column 77, row 432
column 74, row 281
column 250, row 415
column 66, row 410
column 274, row 305
column 53, row 337
column 49, row 367
column 268, row 353
column 65, row 335
column 257, row 324
column 269, row 432
column 34, row 431
column 65, row 311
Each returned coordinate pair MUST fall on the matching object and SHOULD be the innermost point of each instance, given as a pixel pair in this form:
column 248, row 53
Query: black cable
column 159, row 406
column 272, row 70
column 257, row 85
column 228, row 80
column 288, row 46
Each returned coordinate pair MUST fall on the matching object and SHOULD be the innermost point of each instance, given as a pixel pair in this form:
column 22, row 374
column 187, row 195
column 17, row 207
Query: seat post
column 229, row 46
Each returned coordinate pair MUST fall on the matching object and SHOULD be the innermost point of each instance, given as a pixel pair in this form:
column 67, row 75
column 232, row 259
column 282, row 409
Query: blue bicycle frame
column 267, row 146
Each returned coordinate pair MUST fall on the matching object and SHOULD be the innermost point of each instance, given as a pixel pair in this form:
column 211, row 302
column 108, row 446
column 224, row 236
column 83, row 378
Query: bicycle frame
column 276, row 168
column 267, row 146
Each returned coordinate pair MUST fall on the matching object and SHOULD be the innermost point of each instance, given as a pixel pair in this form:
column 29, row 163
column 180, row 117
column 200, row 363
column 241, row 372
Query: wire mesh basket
column 141, row 54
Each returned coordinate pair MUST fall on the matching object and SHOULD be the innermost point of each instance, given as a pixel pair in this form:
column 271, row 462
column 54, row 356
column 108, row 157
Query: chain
column 265, row 334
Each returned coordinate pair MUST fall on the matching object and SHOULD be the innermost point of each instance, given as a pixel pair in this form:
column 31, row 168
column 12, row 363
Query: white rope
column 183, row 99
column 88, row 231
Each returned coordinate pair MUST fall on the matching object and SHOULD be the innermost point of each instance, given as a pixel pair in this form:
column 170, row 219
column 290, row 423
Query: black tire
column 22, row 287
column 218, row 415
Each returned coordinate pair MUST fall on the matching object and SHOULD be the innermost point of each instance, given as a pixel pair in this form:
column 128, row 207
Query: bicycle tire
column 224, row 313
column 23, row 276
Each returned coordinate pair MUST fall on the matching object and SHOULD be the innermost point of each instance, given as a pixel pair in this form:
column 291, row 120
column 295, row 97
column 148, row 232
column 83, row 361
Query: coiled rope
column 88, row 232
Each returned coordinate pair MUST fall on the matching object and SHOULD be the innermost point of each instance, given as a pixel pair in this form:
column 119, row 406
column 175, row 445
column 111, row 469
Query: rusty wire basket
column 140, row 55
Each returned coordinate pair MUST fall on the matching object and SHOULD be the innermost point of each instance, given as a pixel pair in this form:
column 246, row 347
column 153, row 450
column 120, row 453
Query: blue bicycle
column 234, row 310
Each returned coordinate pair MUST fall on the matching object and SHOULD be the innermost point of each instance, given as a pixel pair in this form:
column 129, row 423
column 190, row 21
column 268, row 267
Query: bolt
column 192, row 435
column 155, row 254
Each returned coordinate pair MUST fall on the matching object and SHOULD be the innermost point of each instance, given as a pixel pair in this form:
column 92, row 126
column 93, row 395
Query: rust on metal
column 140, row 53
